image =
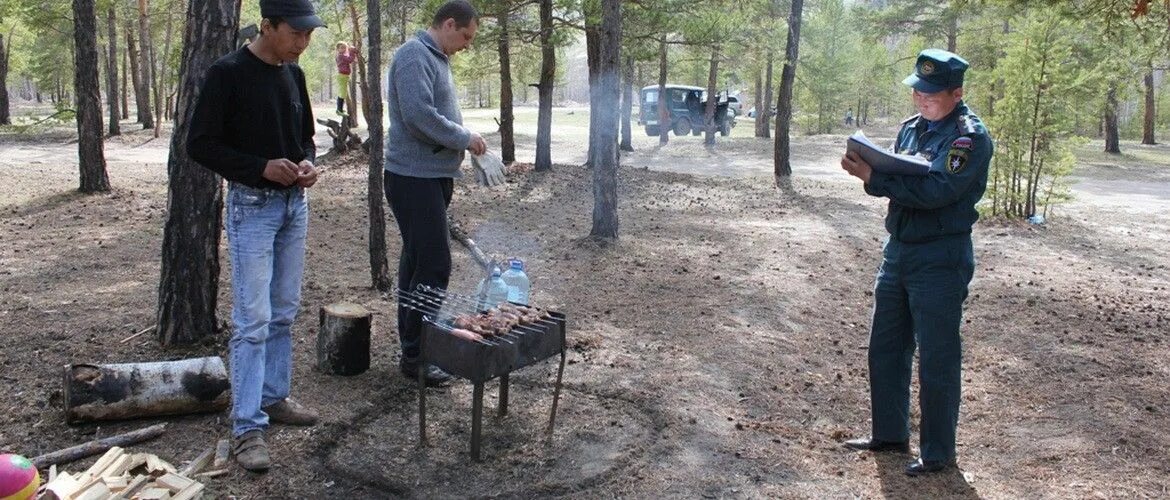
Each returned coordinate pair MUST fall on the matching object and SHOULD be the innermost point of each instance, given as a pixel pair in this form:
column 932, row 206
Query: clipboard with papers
column 884, row 161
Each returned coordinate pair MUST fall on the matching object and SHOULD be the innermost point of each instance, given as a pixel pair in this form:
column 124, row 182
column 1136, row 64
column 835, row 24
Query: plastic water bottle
column 495, row 290
column 517, row 280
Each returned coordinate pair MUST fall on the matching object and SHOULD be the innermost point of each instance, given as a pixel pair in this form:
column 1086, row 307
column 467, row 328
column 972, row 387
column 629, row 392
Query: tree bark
column 592, row 60
column 1148, row 122
column 141, row 92
column 112, row 72
column 507, row 118
column 189, row 275
column 375, row 191
column 764, row 107
column 709, row 112
column 125, row 85
column 1112, row 135
column 134, row 390
column 5, row 111
column 343, row 339
column 663, row 99
column 90, row 148
column 627, row 105
column 605, row 155
column 781, row 155
column 358, row 83
column 548, row 71
column 164, row 109
column 146, row 51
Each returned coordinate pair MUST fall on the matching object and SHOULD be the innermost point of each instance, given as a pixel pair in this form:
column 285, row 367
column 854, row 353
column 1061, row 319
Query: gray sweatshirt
column 426, row 138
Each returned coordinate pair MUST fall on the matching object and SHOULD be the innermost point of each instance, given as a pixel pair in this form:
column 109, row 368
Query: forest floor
column 717, row 349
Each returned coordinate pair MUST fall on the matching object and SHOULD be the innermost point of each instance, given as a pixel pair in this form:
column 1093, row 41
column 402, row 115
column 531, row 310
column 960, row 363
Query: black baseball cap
column 297, row 13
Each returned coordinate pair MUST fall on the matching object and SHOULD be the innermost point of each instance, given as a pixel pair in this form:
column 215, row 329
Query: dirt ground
column 717, row 349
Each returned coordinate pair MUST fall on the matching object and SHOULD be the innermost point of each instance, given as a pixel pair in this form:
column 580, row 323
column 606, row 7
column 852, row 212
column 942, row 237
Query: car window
column 678, row 95
column 651, row 96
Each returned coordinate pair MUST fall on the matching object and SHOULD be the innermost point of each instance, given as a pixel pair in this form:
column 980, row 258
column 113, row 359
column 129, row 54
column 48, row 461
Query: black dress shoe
column 877, row 445
column 435, row 376
column 920, row 466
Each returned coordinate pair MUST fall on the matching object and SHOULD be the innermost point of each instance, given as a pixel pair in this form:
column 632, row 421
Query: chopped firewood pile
column 136, row 476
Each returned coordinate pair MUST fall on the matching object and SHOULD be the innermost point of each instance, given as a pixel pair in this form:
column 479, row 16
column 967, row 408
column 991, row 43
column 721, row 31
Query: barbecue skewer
column 460, row 303
column 413, row 302
column 444, row 294
column 438, row 294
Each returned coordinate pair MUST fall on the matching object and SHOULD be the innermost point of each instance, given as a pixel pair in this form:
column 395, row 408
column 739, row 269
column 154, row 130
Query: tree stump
column 343, row 341
column 344, row 138
column 132, row 390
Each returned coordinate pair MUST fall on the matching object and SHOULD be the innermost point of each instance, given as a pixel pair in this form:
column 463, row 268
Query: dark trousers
column 420, row 207
column 918, row 301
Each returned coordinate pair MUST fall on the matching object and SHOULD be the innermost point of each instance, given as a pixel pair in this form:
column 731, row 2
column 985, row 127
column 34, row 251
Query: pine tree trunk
column 663, row 99
column 375, row 191
column 1148, row 122
column 1112, row 135
column 189, row 275
column 548, row 71
column 164, row 85
column 709, row 112
column 112, row 72
column 358, row 83
column 5, row 111
column 593, row 61
column 149, row 61
column 507, row 117
column 604, row 143
column 125, row 85
column 782, row 154
column 141, row 92
column 92, row 158
column 627, row 106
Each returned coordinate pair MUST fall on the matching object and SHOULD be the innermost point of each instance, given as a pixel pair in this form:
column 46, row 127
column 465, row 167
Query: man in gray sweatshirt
column 424, row 149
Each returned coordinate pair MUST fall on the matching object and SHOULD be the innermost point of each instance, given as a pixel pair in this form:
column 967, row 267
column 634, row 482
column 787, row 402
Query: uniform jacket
column 942, row 203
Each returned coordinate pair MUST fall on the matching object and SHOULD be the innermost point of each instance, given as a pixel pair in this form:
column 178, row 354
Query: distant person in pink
column 346, row 55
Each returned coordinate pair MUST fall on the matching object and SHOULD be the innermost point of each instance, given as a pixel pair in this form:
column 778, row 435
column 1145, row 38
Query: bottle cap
column 516, row 264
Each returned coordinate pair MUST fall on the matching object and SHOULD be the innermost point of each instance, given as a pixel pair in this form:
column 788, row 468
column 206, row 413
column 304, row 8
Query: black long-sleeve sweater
column 249, row 112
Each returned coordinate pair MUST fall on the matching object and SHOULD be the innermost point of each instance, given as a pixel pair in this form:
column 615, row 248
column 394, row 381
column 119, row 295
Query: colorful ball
column 19, row 480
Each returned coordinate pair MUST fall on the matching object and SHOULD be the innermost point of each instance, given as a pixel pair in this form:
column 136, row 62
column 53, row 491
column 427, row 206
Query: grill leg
column 552, row 417
column 503, row 395
column 422, row 404
column 476, row 419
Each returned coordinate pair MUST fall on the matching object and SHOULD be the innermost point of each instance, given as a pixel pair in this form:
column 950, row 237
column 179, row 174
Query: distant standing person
column 849, row 117
column 927, row 263
column 346, row 55
column 424, row 149
column 253, row 125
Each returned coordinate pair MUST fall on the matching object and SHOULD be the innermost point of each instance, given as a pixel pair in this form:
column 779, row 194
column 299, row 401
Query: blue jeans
column 266, row 236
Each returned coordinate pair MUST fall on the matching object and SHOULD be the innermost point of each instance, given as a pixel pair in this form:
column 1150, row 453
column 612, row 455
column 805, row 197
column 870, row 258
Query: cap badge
column 926, row 68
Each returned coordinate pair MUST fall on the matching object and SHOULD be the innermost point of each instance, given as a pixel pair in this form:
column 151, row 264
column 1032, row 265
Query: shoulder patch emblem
column 956, row 160
column 962, row 143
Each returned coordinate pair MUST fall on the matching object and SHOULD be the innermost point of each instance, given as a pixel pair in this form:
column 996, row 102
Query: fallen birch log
column 132, row 390
column 96, row 446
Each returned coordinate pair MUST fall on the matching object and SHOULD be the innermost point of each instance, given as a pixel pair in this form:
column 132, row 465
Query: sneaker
column 290, row 412
column 251, row 451
column 341, row 112
column 435, row 376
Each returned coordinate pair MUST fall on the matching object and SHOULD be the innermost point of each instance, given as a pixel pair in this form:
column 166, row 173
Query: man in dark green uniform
column 927, row 264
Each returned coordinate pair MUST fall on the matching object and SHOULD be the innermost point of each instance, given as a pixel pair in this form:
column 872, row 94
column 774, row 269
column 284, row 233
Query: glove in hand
column 489, row 170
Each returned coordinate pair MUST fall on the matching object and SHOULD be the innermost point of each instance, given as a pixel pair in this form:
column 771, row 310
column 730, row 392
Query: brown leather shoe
column 251, row 451
column 290, row 412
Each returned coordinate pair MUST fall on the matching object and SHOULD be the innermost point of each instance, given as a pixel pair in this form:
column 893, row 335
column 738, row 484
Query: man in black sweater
column 253, row 125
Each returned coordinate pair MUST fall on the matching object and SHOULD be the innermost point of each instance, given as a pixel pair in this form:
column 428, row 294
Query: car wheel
column 725, row 130
column 682, row 127
column 652, row 131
